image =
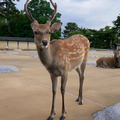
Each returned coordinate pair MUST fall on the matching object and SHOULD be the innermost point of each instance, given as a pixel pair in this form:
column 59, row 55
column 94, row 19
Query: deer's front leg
column 54, row 90
column 63, row 85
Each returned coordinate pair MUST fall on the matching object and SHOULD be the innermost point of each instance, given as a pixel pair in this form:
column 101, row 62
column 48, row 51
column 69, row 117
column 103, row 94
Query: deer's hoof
column 78, row 100
column 50, row 118
column 80, row 103
column 62, row 117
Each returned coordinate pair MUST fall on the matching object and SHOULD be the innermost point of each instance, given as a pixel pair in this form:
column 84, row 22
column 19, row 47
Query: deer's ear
column 55, row 27
column 34, row 24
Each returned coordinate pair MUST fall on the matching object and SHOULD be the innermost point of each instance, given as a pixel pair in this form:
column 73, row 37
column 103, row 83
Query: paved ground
column 26, row 95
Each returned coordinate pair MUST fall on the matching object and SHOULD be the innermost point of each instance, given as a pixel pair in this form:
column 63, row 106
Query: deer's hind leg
column 80, row 70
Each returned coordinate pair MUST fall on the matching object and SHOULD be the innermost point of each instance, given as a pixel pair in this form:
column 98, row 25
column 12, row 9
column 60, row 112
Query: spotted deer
column 107, row 62
column 59, row 56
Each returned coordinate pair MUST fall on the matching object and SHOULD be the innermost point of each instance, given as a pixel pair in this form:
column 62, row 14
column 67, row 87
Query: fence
column 17, row 43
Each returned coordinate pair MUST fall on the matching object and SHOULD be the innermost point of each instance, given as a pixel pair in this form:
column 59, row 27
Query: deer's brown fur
column 60, row 56
column 107, row 62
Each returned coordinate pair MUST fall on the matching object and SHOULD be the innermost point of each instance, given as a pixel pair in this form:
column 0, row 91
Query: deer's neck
column 45, row 56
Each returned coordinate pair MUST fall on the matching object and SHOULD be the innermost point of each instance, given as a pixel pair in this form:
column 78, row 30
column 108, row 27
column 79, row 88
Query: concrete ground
column 26, row 95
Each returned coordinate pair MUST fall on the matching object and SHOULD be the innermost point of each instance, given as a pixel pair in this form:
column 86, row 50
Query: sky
column 92, row 14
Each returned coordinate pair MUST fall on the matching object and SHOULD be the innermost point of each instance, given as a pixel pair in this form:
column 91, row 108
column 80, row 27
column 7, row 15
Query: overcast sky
column 93, row 14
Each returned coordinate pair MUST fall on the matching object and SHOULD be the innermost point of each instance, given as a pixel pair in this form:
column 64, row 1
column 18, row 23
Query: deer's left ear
column 55, row 27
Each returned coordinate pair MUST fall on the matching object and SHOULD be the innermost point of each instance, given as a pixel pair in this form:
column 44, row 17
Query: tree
column 9, row 11
column 117, row 28
column 104, row 38
column 117, row 22
column 69, row 29
column 19, row 23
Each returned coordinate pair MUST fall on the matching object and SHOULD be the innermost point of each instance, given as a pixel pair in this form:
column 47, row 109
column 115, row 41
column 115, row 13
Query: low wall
column 17, row 43
column 14, row 45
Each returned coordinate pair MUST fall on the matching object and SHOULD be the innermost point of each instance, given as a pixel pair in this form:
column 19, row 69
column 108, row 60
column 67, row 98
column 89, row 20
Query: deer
column 59, row 56
column 109, row 62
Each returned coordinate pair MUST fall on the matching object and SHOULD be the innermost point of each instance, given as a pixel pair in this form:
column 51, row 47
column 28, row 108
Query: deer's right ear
column 55, row 27
column 34, row 24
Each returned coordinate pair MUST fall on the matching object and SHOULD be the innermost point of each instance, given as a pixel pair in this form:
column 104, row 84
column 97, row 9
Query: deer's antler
column 55, row 10
column 31, row 17
column 28, row 13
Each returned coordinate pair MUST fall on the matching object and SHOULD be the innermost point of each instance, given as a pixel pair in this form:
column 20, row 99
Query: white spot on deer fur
column 80, row 52
column 60, row 55
column 62, row 48
column 72, row 52
column 82, row 38
column 64, row 57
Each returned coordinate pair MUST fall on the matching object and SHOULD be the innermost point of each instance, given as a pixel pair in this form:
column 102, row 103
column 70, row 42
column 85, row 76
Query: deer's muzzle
column 45, row 42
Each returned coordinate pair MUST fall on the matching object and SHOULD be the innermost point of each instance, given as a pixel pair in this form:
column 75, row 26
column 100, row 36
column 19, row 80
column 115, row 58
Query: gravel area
column 109, row 113
column 8, row 69
column 12, row 53
column 91, row 63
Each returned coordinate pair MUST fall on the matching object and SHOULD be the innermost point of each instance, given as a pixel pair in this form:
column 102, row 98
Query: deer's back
column 72, row 51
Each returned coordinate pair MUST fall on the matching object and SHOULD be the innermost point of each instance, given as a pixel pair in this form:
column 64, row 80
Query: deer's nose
column 45, row 42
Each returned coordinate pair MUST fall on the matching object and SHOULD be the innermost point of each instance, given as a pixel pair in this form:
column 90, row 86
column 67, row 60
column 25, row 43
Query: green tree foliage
column 18, row 23
column 9, row 11
column 117, row 28
column 103, row 38
column 70, row 28
column 117, row 22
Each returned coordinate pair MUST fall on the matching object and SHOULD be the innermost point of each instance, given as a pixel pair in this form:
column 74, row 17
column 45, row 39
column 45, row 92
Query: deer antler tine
column 28, row 13
column 55, row 10
column 52, row 3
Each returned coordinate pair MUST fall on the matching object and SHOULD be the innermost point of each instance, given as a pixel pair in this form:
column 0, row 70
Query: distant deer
column 59, row 56
column 107, row 62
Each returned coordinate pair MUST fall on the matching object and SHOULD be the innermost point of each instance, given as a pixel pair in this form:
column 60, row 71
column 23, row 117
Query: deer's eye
column 36, row 32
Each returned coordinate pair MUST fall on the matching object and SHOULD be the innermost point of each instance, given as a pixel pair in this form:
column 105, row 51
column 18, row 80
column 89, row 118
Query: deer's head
column 42, row 32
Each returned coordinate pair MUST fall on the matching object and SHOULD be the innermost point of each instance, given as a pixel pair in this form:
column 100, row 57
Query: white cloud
column 87, row 13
